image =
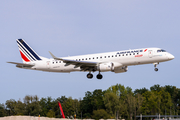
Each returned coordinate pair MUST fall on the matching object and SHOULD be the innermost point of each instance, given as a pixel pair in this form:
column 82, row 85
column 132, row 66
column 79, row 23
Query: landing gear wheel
column 155, row 65
column 99, row 76
column 156, row 69
column 89, row 75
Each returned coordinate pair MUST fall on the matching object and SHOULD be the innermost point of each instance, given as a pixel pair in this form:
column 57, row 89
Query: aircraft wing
column 85, row 65
column 21, row 64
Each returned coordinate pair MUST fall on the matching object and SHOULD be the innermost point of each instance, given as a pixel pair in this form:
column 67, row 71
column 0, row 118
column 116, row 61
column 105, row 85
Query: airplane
column 116, row 62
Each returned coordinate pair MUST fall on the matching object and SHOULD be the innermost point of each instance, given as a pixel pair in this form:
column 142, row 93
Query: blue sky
column 68, row 28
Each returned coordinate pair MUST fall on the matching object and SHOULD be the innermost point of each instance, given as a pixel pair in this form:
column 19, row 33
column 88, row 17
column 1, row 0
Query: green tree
column 10, row 105
column 86, row 105
column 2, row 110
column 140, row 91
column 51, row 114
column 32, row 105
column 131, row 105
column 150, row 103
column 139, row 101
column 111, row 102
column 70, row 110
column 97, row 99
column 166, row 103
column 20, row 108
column 121, row 92
column 156, row 88
column 175, row 96
column 100, row 114
column 43, row 104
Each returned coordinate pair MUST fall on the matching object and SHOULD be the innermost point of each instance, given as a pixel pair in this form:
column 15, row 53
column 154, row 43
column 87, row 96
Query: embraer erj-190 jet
column 116, row 62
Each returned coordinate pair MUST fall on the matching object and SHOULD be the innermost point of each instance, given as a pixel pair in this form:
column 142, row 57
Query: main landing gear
column 99, row 76
column 155, row 65
column 90, row 76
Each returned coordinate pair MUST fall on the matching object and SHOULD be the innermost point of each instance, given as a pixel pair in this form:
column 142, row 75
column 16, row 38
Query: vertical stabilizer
column 27, row 53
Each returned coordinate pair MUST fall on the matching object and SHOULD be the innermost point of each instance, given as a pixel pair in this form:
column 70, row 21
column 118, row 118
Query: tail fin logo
column 27, row 53
column 24, row 57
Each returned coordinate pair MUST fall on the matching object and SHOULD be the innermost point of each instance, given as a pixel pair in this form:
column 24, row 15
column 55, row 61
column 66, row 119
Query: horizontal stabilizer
column 21, row 64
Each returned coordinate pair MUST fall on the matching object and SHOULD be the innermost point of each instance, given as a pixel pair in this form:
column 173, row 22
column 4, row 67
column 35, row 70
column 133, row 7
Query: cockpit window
column 161, row 50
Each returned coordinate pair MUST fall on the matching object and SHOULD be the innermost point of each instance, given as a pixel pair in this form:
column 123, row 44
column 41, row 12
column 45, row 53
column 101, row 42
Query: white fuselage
column 118, row 58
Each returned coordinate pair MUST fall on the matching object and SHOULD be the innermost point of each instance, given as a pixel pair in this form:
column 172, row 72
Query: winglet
column 52, row 55
column 55, row 56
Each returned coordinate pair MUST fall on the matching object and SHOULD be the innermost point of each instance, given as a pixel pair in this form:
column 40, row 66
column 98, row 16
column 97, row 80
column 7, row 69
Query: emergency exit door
column 150, row 53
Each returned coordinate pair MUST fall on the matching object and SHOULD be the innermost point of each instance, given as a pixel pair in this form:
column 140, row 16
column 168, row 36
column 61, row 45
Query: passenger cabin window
column 97, row 57
column 108, row 56
column 104, row 56
column 161, row 50
column 115, row 55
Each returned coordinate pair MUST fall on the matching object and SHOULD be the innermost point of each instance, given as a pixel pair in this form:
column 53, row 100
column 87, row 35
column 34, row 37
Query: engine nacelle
column 105, row 67
column 121, row 69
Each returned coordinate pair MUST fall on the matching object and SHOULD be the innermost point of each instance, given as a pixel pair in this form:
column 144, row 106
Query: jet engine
column 121, row 69
column 105, row 67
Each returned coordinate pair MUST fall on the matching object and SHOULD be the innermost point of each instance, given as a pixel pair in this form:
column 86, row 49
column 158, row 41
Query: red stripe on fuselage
column 24, row 57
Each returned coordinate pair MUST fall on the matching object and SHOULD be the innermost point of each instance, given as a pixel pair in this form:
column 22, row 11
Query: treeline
column 115, row 102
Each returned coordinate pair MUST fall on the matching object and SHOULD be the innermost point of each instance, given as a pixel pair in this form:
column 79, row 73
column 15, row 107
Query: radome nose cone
column 171, row 57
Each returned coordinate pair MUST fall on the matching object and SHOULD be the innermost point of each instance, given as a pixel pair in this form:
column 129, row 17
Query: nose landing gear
column 155, row 65
column 156, row 69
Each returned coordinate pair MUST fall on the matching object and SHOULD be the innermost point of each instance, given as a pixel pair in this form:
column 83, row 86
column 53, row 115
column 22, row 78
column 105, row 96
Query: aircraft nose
column 170, row 56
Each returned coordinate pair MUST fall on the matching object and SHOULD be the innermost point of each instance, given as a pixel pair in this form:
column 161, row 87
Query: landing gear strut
column 89, row 75
column 99, row 76
column 155, row 65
